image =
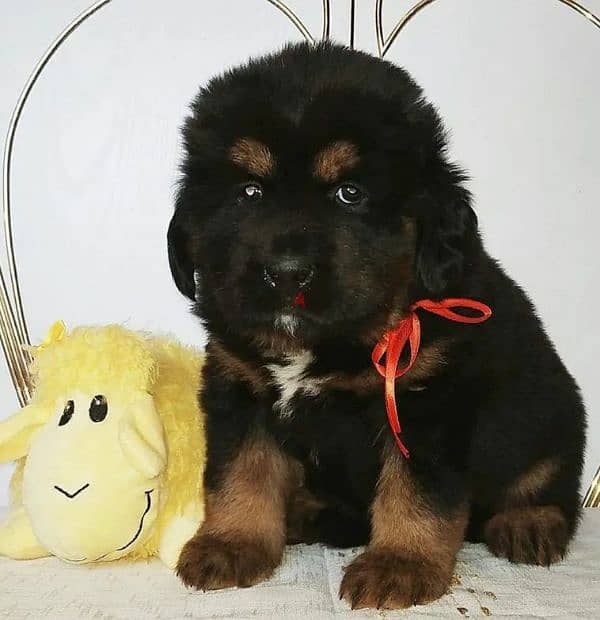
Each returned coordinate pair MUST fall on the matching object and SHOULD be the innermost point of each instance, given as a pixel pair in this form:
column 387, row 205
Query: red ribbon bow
column 409, row 331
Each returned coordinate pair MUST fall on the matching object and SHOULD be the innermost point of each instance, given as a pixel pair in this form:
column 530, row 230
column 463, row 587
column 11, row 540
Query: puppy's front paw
column 384, row 579
column 532, row 535
column 210, row 563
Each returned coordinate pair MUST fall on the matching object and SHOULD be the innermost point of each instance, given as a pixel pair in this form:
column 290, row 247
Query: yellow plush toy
column 110, row 450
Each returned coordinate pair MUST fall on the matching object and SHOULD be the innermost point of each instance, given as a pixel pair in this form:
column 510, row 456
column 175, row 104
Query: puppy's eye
column 252, row 192
column 349, row 195
column 98, row 408
column 67, row 413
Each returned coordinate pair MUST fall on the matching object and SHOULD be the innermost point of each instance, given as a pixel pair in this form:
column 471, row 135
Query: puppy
column 316, row 206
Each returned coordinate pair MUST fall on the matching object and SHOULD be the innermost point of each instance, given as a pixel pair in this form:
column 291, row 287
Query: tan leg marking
column 412, row 553
column 528, row 485
column 241, row 541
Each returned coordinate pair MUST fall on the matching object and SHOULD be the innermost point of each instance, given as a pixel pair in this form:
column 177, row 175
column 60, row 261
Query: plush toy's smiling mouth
column 135, row 536
column 139, row 530
column 71, row 495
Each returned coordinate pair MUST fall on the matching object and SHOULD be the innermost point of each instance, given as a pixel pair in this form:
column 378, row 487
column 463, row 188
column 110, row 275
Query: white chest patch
column 290, row 378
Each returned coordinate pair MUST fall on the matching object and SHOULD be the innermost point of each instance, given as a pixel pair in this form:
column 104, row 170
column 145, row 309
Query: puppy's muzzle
column 289, row 274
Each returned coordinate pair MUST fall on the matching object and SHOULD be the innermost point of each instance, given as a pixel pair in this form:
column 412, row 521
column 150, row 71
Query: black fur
column 501, row 403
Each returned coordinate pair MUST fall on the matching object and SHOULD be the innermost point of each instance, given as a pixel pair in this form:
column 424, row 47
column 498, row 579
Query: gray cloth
column 304, row 587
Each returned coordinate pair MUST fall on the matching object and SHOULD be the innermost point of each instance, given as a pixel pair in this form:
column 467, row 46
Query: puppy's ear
column 447, row 231
column 180, row 258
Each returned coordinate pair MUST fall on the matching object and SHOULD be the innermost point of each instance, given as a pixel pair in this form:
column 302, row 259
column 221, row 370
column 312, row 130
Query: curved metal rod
column 352, row 22
column 296, row 20
column 592, row 497
column 19, row 373
column 326, row 21
column 8, row 147
column 21, row 324
column 13, row 325
column 379, row 27
column 384, row 44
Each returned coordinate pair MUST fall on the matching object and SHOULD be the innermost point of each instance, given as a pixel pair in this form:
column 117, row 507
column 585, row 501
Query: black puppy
column 316, row 206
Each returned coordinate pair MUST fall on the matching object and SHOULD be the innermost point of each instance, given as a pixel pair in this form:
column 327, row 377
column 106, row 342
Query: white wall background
column 98, row 145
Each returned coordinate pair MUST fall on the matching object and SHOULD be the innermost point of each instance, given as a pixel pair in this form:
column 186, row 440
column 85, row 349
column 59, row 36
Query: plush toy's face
column 93, row 474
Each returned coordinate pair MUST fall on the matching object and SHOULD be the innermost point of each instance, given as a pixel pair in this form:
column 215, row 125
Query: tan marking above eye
column 335, row 159
column 252, row 155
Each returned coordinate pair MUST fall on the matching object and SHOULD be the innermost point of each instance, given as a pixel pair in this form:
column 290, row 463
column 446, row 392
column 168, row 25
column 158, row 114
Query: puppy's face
column 314, row 196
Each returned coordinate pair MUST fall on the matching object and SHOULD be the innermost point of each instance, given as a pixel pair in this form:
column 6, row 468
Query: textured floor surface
column 305, row 587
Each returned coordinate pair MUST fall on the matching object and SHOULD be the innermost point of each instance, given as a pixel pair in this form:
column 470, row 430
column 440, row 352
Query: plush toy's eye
column 349, row 195
column 252, row 192
column 98, row 408
column 67, row 413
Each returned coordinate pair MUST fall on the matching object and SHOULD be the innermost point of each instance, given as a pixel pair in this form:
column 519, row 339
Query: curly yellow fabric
column 129, row 368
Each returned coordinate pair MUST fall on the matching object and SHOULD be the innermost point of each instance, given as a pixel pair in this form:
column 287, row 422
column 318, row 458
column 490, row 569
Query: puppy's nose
column 289, row 273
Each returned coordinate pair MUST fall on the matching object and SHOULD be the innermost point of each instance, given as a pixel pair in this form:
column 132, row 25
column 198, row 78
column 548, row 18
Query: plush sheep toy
column 110, row 450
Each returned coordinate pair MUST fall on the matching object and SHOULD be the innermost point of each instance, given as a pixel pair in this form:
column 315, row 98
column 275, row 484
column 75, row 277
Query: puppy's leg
column 536, row 516
column 241, row 541
column 533, row 535
column 410, row 558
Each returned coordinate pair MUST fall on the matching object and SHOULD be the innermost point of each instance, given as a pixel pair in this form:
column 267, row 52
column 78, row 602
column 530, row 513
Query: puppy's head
column 315, row 198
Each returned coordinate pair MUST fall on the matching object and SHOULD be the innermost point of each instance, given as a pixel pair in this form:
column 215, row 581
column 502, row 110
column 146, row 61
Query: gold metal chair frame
column 14, row 334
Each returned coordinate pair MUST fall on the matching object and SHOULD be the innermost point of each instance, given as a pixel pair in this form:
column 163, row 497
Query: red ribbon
column 409, row 331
